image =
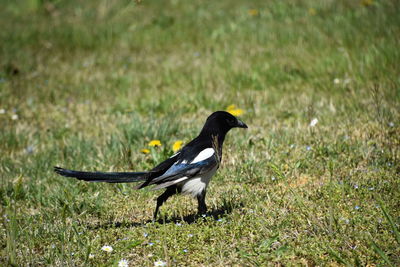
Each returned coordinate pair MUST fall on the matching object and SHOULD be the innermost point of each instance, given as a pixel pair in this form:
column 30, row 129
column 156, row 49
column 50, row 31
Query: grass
column 92, row 82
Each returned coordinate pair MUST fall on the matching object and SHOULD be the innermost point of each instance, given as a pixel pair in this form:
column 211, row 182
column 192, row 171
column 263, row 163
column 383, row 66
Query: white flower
column 123, row 263
column 190, row 235
column 107, row 248
column 91, row 256
column 178, row 224
column 336, row 81
column 14, row 117
column 313, row 122
column 160, row 263
column 150, row 255
column 2, row 111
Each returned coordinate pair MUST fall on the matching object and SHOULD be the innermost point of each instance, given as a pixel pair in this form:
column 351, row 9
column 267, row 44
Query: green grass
column 92, row 82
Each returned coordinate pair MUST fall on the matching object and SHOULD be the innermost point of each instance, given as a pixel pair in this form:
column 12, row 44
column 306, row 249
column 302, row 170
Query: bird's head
column 222, row 121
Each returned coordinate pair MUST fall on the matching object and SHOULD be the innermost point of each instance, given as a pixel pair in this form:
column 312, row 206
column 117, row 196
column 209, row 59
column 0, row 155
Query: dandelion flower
column 177, row 145
column 160, row 263
column 123, row 263
column 14, row 117
column 312, row 11
column 154, row 143
column 234, row 111
column 253, row 12
column 313, row 122
column 145, row 151
column 230, row 107
column 366, row 2
column 107, row 249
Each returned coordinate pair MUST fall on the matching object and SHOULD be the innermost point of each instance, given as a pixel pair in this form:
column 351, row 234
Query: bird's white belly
column 196, row 185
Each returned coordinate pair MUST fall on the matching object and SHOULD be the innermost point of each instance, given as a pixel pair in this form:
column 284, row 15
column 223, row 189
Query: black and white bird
column 188, row 171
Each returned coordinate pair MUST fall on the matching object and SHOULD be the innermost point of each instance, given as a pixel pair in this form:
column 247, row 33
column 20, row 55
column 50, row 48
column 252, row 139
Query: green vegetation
column 87, row 84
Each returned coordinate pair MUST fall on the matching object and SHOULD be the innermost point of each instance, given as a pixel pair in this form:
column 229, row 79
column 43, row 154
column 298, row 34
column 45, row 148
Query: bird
column 186, row 172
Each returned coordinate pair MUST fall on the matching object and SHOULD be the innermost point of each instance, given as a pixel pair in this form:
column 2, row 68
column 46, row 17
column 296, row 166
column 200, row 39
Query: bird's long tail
column 108, row 177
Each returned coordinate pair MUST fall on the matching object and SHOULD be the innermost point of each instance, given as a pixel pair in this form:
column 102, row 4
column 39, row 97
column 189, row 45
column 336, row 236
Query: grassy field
column 87, row 84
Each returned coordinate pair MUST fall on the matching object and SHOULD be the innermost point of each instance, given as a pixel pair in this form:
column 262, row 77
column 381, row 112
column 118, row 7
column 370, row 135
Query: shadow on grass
column 215, row 214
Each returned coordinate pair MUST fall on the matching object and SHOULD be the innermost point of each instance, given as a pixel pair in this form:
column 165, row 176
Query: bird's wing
column 196, row 157
column 160, row 169
column 165, row 165
column 183, row 169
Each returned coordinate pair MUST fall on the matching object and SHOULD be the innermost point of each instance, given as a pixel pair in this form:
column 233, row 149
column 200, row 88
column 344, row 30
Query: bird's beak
column 241, row 124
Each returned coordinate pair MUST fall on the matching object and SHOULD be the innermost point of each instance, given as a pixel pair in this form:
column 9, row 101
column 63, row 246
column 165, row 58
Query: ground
column 313, row 181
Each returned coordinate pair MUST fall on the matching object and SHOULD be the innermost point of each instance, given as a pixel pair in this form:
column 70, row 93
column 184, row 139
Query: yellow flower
column 234, row 111
column 312, row 11
column 177, row 145
column 366, row 2
column 145, row 151
column 253, row 12
column 155, row 143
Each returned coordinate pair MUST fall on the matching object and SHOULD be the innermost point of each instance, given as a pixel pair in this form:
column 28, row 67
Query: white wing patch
column 203, row 155
column 166, row 184
column 174, row 154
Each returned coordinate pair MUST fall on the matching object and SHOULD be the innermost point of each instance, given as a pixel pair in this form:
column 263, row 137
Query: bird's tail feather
column 108, row 177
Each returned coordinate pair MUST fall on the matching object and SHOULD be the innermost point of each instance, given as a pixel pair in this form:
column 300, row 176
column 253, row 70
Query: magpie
column 188, row 171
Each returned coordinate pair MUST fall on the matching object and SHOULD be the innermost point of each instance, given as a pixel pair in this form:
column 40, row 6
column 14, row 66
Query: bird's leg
column 202, row 202
column 162, row 198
